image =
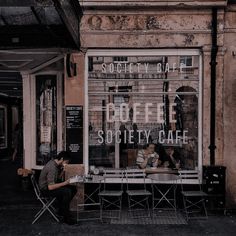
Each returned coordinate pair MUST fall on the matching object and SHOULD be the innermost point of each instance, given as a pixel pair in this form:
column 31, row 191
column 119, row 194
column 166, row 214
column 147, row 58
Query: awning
column 39, row 24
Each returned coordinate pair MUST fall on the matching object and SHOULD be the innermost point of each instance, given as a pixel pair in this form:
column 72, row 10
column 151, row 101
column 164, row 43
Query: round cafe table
column 161, row 170
column 163, row 178
column 164, row 191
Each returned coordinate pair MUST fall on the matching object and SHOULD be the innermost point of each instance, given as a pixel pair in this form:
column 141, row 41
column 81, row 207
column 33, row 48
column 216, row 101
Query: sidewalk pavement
column 17, row 208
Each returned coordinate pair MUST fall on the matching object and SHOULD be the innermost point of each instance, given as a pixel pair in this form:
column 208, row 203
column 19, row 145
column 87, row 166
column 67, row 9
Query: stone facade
column 229, row 103
column 185, row 24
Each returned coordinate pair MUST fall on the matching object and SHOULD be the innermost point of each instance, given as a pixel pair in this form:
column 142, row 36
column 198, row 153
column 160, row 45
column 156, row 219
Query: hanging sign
column 45, row 134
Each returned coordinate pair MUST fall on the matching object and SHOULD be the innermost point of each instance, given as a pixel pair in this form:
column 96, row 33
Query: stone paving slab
column 17, row 209
column 18, row 222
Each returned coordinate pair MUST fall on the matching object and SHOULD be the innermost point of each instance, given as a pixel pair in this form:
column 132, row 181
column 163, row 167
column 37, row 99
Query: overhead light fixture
column 15, row 40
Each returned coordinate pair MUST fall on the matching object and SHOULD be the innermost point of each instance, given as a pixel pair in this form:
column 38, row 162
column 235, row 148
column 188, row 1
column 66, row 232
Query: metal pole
column 213, row 64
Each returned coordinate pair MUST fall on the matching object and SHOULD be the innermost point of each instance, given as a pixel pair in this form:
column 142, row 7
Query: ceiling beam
column 70, row 17
column 26, row 52
column 45, row 64
column 36, row 15
column 35, row 36
column 25, row 3
column 4, row 20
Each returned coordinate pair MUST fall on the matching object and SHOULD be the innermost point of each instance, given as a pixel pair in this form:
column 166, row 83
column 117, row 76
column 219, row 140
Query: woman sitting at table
column 147, row 157
column 171, row 158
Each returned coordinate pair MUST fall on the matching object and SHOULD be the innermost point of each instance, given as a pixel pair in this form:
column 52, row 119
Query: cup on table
column 154, row 164
column 92, row 168
column 177, row 165
column 166, row 164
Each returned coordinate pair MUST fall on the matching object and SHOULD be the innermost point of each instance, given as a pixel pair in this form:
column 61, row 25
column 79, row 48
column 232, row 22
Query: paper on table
column 76, row 179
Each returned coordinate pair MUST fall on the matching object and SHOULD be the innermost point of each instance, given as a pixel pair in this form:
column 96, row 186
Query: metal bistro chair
column 110, row 196
column 194, row 200
column 46, row 202
column 164, row 187
column 138, row 195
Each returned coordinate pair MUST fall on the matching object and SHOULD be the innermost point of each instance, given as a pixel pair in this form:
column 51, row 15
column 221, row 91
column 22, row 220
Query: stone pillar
column 229, row 107
column 74, row 95
column 27, row 120
column 206, row 104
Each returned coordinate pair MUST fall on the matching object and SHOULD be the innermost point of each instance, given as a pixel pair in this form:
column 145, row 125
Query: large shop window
column 137, row 99
column 46, row 118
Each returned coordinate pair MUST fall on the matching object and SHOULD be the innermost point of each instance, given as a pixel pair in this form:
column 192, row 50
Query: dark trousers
column 64, row 195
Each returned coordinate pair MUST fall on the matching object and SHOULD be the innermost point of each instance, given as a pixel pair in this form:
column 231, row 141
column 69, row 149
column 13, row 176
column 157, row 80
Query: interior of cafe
column 132, row 102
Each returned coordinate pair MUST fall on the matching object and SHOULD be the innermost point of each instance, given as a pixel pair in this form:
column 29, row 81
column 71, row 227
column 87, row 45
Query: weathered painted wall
column 186, row 28
column 152, row 29
column 229, row 97
column 74, row 86
column 152, row 3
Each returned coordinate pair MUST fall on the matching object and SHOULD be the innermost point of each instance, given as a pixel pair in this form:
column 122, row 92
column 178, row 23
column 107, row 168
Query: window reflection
column 136, row 100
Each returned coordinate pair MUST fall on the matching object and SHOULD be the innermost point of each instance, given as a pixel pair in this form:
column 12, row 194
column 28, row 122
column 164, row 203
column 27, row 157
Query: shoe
column 58, row 213
column 60, row 218
column 70, row 221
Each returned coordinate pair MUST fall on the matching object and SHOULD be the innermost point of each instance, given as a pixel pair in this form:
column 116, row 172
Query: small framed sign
column 74, row 133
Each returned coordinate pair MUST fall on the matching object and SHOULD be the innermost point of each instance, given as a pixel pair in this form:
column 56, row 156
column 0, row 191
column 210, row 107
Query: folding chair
column 137, row 193
column 46, row 202
column 111, row 197
column 194, row 200
column 164, row 187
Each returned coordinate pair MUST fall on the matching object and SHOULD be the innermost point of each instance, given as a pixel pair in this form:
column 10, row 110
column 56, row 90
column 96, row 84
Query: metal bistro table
column 160, row 170
column 90, row 198
column 164, row 191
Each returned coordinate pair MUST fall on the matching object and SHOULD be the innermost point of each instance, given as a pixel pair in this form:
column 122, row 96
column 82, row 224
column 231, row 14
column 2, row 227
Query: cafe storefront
column 142, row 74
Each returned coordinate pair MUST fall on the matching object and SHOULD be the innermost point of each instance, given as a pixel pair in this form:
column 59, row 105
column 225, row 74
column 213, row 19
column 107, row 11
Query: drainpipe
column 213, row 64
column 165, row 98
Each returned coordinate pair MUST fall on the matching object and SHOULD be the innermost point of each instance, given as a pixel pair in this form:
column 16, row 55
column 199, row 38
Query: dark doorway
column 11, row 108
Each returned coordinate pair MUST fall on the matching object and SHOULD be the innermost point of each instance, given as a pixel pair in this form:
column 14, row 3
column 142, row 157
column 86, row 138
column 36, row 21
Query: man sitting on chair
column 147, row 157
column 50, row 184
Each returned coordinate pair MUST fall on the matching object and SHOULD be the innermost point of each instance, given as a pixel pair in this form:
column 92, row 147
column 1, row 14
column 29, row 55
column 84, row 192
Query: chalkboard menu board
column 74, row 133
